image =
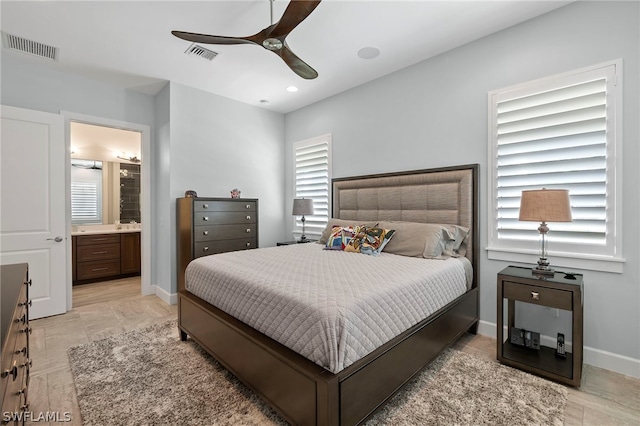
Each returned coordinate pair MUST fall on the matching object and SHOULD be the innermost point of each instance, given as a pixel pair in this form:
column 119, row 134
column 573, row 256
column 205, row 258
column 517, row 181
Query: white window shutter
column 312, row 168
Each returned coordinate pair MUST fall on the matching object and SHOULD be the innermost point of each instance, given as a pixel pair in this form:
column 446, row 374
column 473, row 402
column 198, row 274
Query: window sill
column 566, row 260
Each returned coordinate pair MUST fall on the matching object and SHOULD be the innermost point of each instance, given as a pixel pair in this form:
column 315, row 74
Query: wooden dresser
column 99, row 257
column 15, row 341
column 214, row 225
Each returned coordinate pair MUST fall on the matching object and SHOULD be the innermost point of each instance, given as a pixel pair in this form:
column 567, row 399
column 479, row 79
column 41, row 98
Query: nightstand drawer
column 544, row 296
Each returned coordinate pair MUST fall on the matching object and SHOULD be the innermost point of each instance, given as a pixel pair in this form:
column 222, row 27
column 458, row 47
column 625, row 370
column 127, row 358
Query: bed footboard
column 306, row 394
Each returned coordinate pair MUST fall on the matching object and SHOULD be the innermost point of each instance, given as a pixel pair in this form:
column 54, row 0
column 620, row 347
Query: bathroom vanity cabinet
column 101, row 257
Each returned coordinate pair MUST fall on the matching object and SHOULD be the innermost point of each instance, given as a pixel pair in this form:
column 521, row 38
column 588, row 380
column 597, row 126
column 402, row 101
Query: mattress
column 331, row 307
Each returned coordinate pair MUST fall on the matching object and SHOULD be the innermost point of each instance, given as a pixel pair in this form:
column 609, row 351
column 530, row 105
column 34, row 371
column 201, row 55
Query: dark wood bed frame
column 305, row 393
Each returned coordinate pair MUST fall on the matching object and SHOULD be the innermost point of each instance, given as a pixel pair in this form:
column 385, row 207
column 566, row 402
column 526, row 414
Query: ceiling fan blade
column 210, row 39
column 296, row 64
column 296, row 12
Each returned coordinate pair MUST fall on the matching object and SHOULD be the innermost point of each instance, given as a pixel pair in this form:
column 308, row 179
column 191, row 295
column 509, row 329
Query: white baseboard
column 598, row 358
column 168, row 298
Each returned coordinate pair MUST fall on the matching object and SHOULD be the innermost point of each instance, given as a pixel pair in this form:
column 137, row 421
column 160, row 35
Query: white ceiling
column 130, row 43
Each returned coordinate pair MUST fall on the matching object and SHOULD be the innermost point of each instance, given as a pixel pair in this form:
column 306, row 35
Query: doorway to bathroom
column 108, row 184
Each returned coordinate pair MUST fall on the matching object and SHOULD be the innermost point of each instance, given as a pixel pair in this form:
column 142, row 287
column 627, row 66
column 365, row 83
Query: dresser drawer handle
column 205, row 248
column 23, row 351
column 11, row 372
column 205, row 232
column 205, row 206
column 248, row 217
column 26, row 330
column 99, row 239
column 27, row 363
column 248, row 244
column 205, row 218
column 27, row 283
column 535, row 295
column 98, row 269
column 25, row 303
column 100, row 252
column 248, row 230
column 247, row 206
column 22, row 320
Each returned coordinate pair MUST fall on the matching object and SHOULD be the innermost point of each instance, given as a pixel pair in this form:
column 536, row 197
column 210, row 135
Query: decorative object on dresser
column 214, row 225
column 15, row 327
column 235, row 193
column 302, row 207
column 561, row 291
column 189, row 193
column 545, row 205
column 101, row 257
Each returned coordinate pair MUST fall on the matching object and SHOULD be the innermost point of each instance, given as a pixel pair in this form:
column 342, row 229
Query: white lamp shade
column 302, row 206
column 545, row 205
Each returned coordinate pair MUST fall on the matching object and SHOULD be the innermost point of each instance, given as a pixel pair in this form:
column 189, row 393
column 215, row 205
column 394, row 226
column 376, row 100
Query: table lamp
column 302, row 207
column 545, row 205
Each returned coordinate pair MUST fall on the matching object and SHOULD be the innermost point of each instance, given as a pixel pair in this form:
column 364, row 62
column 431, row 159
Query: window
column 86, row 192
column 559, row 132
column 312, row 168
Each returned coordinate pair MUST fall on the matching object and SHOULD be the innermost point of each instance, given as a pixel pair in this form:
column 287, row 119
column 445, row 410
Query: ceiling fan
column 271, row 38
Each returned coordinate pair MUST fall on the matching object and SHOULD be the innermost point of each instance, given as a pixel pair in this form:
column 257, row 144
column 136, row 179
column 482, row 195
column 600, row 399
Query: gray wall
column 218, row 144
column 435, row 114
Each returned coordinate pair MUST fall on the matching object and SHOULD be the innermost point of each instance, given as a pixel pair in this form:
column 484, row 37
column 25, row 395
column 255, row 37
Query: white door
column 32, row 203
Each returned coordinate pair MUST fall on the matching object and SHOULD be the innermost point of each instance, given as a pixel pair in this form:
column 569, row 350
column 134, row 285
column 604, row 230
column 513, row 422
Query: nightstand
column 561, row 291
column 287, row 243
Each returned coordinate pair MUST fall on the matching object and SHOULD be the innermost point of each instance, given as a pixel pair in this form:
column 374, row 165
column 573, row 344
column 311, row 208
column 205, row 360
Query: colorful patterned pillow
column 340, row 237
column 369, row 241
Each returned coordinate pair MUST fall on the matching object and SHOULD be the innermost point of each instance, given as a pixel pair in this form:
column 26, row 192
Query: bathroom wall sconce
column 133, row 159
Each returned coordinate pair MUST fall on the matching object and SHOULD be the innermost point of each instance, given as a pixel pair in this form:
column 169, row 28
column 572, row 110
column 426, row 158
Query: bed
column 348, row 389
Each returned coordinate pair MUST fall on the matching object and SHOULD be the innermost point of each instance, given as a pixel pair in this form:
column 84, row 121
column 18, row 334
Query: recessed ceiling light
column 292, row 89
column 369, row 52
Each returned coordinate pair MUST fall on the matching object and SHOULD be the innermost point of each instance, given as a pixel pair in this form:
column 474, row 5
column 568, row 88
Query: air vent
column 31, row 47
column 204, row 53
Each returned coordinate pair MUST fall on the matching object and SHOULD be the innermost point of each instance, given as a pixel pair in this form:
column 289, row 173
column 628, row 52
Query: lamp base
column 543, row 268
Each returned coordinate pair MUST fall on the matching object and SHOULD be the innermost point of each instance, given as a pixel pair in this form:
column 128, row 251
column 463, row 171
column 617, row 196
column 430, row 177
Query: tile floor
column 605, row 398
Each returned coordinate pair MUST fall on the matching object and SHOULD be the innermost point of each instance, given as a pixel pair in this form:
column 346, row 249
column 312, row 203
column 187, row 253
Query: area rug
column 150, row 377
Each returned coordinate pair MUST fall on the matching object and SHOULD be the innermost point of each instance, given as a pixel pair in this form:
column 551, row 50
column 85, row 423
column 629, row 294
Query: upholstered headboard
column 444, row 195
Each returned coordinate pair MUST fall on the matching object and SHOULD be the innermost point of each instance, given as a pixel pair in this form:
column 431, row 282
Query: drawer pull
column 248, row 230
column 23, row 351
column 22, row 391
column 205, row 218
column 205, row 248
column 27, row 283
column 205, row 206
column 247, row 206
column 26, row 364
column 99, row 239
column 248, row 244
column 22, row 320
column 100, row 252
column 11, row 372
column 26, row 330
column 25, row 303
column 98, row 269
column 248, row 217
column 535, row 295
column 205, row 232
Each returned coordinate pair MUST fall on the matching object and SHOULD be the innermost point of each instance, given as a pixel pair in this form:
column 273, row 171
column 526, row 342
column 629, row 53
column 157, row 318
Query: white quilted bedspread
column 332, row 307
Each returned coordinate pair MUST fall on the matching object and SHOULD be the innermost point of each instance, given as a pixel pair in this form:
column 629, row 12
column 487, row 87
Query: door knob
column 56, row 239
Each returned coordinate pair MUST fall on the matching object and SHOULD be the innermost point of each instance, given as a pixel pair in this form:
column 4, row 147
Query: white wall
column 435, row 114
column 218, row 144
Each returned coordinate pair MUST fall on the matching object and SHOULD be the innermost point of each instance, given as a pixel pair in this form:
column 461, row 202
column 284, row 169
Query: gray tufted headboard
column 444, row 195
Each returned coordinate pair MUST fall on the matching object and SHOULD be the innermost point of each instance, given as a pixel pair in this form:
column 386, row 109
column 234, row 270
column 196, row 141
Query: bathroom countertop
column 105, row 231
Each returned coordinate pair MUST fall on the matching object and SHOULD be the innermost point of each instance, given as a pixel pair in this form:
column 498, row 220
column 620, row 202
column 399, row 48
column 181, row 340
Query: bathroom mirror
column 104, row 175
column 103, row 192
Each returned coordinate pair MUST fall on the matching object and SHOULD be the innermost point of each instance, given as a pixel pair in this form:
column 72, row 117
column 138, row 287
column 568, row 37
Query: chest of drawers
column 214, row 225
column 15, row 364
